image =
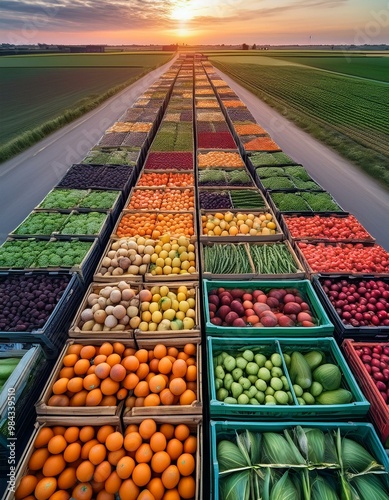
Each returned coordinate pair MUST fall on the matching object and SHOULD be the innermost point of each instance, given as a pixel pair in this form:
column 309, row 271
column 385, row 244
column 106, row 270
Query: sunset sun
column 181, row 13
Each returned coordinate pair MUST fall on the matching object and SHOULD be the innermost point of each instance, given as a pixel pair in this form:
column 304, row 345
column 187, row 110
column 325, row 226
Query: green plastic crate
column 362, row 432
column 323, row 329
column 218, row 409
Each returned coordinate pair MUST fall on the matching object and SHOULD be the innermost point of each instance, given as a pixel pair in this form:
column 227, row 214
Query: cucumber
column 300, row 371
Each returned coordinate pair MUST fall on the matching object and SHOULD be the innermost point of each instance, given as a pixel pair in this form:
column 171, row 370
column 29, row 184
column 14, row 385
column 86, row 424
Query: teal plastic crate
column 218, row 409
column 323, row 329
column 362, row 432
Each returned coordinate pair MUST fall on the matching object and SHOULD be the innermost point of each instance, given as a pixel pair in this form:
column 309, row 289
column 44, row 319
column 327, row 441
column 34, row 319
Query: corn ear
column 355, row 458
column 284, row 489
column 311, row 443
column 235, row 486
column 322, row 490
column 276, row 450
column 371, row 487
column 230, row 457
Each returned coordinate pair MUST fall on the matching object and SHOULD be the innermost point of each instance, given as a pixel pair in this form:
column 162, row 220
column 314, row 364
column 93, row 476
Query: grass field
column 41, row 93
column 349, row 114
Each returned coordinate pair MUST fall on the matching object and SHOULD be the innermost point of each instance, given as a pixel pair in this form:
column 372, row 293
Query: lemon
column 175, row 247
column 176, row 262
column 167, row 270
column 175, row 304
column 188, row 323
column 165, row 303
column 271, row 225
column 185, row 265
column 158, row 249
column 156, row 297
column 146, row 316
column 181, row 296
column 183, row 289
column 154, row 306
column 191, row 313
column 191, row 301
column 169, row 314
column 143, row 326
column 183, row 306
column 144, row 306
column 180, row 315
column 172, row 254
column 164, row 290
column 191, row 256
column 160, row 262
column 172, row 295
column 156, row 317
column 168, row 261
column 163, row 254
column 141, row 241
column 191, row 248
column 165, row 238
column 176, row 270
column 154, row 290
column 158, row 270
column 152, row 327
column 183, row 241
column 154, row 258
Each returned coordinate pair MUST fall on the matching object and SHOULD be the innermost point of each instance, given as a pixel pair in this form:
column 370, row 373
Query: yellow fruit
column 172, row 254
column 184, row 255
column 191, row 301
column 154, row 290
column 163, row 254
column 169, row 314
column 175, row 304
column 175, row 247
column 269, row 216
column 176, row 270
column 176, row 262
column 182, row 241
column 156, row 297
column 168, row 261
column 180, row 315
column 152, row 327
column 265, row 230
column 158, row 270
column 271, row 225
column 165, row 303
column 185, row 265
column 157, row 249
column 153, row 307
column 164, row 290
column 192, row 269
column 183, row 306
column 156, row 317
column 146, row 316
column 181, row 296
column 172, row 296
column 154, row 258
column 167, row 270
column 165, row 238
column 191, row 313
column 191, row 248
column 188, row 323
column 144, row 306
column 160, row 262
column 217, row 231
column 143, row 326
column 167, row 247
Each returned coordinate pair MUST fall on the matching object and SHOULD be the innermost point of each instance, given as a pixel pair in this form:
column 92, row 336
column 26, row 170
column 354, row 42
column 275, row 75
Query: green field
column 40, row 93
column 350, row 114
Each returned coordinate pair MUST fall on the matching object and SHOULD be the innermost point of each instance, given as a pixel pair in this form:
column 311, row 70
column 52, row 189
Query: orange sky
column 194, row 21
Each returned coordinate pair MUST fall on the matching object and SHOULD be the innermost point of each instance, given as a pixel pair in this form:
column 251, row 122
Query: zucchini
column 6, row 369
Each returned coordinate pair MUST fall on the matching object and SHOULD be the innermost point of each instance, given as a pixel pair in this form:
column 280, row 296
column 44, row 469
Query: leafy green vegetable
column 290, row 202
column 299, row 172
column 270, row 172
column 89, row 223
column 320, row 202
column 277, row 183
column 238, row 177
column 41, row 223
column 269, row 159
column 63, row 198
column 99, row 199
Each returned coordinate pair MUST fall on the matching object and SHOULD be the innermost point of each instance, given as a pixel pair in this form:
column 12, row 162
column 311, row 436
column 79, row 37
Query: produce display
column 63, row 198
column 112, row 308
column 359, row 302
column 209, row 116
column 174, row 137
column 304, row 201
column 326, row 228
column 247, row 198
column 173, row 256
column 301, row 462
column 127, row 257
column 274, row 258
column 219, row 140
column 376, row 362
column 27, row 302
column 214, row 199
column 96, row 176
column 139, row 377
column 236, row 224
column 155, row 224
column 345, row 257
column 148, row 460
column 277, row 307
column 212, row 128
column 219, row 159
column 294, row 172
column 157, row 179
column 261, row 143
column 230, row 103
column 226, row 259
column 249, row 129
column 99, row 200
column 90, row 223
column 169, row 161
column 270, row 159
column 218, row 177
column 7, row 366
column 163, row 199
column 259, row 377
column 111, row 157
column 44, row 223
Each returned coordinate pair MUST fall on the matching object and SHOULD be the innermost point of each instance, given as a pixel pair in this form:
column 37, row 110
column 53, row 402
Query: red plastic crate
column 379, row 410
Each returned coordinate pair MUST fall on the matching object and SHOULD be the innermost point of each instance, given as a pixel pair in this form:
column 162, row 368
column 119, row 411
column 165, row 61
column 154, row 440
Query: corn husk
column 355, row 458
column 322, row 489
column 249, row 444
column 370, row 487
column 230, row 457
column 276, row 450
column 235, row 486
column 312, row 444
column 284, row 489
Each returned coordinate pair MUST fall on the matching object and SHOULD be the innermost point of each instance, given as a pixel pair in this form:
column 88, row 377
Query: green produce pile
column 305, row 202
column 278, row 183
column 272, row 258
column 7, row 366
column 79, row 198
column 269, row 159
column 89, row 223
column 115, row 157
column 302, row 463
column 218, row 177
column 256, row 378
column 238, row 177
column 40, row 254
column 173, row 136
column 226, row 259
column 286, row 178
column 247, row 198
column 41, row 223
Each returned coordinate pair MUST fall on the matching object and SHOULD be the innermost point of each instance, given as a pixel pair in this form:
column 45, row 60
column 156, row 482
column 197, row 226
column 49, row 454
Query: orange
column 165, row 365
column 158, row 442
column 57, row 444
column 157, row 383
column 87, row 447
column 106, row 349
column 102, row 471
column 103, row 370
column 177, row 386
column 54, row 465
column 109, row 387
column 45, row 488
column 160, row 351
column 74, row 349
column 79, row 399
column 118, row 373
column 114, row 441
column 147, row 428
column 174, row 448
column 87, row 433
column 160, row 461
column 85, row 471
column 171, row 495
column 186, row 464
column 103, row 495
column 97, row 454
column 142, row 371
column 167, row 430
column 142, row 354
column 60, row 386
column 187, row 487
column 87, row 352
column 104, row 432
column 81, row 367
column 75, row 384
column 152, row 400
column 131, row 381
column 132, row 441
column 141, row 474
column 59, row 429
column 115, row 456
column 26, row 486
column 144, row 453
column 131, row 363
column 83, row 491
column 113, row 483
column 43, row 437
column 190, row 444
column 188, row 397
column 67, row 479
column 181, row 432
column 121, row 394
column 114, row 359
column 101, row 358
column 60, row 495
column 129, row 490
column 190, row 349
column 146, row 495
column 124, row 467
column 118, row 348
column 167, row 397
column 179, row 368
column 91, row 382
column 108, row 401
column 172, row 351
column 96, row 487
column 72, row 452
column 170, row 477
column 70, row 359
column 142, row 389
column 156, row 488
column 94, row 397
column 38, row 458
column 71, row 434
